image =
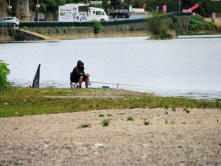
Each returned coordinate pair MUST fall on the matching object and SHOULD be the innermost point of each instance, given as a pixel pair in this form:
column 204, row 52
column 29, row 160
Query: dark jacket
column 77, row 72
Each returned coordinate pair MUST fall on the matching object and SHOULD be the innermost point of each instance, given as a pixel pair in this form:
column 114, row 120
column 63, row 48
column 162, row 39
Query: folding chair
column 73, row 84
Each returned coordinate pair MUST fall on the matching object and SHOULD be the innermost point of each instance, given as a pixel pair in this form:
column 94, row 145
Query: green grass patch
column 146, row 122
column 85, row 125
column 16, row 101
column 105, row 122
column 101, row 115
column 130, row 118
column 198, row 23
column 172, row 121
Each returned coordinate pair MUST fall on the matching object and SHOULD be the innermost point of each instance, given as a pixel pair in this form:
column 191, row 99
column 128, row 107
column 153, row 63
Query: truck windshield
column 99, row 13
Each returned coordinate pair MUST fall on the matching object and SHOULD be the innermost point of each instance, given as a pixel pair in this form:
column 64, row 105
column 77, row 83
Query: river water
column 182, row 67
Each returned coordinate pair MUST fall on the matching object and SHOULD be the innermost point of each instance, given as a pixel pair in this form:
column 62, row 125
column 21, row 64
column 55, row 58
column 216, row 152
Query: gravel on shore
column 171, row 138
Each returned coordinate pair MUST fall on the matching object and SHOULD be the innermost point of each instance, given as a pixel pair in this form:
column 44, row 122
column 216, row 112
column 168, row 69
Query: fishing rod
column 116, row 84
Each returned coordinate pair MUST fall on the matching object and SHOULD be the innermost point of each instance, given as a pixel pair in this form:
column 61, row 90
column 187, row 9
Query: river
column 181, row 67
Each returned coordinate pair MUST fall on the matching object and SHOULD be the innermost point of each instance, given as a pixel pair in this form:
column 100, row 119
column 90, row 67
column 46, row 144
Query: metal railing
column 6, row 24
column 77, row 24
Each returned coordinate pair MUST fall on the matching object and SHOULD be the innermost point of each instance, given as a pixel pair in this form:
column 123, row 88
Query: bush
column 4, row 71
column 26, row 28
column 97, row 27
column 197, row 23
column 159, row 25
column 11, row 32
column 105, row 122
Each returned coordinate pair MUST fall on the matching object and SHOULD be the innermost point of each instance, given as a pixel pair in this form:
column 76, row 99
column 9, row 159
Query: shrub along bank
column 161, row 25
column 4, row 71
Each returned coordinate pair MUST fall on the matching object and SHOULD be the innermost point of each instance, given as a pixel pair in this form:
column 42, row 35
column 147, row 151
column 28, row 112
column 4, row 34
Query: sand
column 171, row 138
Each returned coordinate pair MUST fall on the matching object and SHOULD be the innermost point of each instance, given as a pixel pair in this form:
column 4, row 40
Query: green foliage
column 197, row 23
column 173, row 109
column 159, row 25
column 130, row 118
column 105, row 122
column 31, row 101
column 4, row 71
column 26, row 28
column 85, row 125
column 11, row 31
column 101, row 115
column 186, row 110
column 51, row 4
column 146, row 122
column 97, row 27
column 172, row 122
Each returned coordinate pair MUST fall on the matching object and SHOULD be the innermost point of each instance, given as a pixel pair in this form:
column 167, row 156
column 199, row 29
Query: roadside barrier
column 7, row 24
column 78, row 24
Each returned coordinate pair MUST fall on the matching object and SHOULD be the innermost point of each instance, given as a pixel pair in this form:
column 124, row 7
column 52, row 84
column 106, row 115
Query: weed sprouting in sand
column 105, row 122
column 85, row 125
column 101, row 115
column 186, row 110
column 166, row 121
column 109, row 114
column 172, row 121
column 146, row 122
column 183, row 122
column 173, row 109
column 130, row 118
column 166, row 113
column 166, row 107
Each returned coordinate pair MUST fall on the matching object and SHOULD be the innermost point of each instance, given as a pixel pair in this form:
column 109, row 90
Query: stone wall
column 5, row 35
column 87, row 32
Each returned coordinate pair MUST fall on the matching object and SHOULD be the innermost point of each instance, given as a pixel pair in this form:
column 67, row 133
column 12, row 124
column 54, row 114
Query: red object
column 194, row 7
column 144, row 5
column 165, row 8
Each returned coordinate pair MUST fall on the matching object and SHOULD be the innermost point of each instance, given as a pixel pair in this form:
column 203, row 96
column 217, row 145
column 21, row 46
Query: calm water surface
column 183, row 67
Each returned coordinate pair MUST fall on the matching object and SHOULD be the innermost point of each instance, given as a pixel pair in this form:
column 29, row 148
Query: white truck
column 81, row 13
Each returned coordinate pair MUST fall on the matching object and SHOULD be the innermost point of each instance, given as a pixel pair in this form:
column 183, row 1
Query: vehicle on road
column 11, row 21
column 119, row 13
column 81, row 13
column 97, row 14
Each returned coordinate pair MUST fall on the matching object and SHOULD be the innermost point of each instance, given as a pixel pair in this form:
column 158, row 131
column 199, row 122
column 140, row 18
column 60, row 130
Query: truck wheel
column 102, row 20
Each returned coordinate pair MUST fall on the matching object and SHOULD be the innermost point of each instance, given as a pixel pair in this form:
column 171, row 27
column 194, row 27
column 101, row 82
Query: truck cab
column 97, row 14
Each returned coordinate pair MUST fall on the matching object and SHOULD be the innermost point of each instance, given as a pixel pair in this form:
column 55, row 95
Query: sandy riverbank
column 176, row 138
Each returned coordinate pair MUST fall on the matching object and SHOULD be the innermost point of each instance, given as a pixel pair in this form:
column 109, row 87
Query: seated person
column 78, row 74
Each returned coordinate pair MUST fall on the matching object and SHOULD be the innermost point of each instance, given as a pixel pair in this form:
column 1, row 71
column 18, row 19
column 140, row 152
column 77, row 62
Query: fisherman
column 79, row 76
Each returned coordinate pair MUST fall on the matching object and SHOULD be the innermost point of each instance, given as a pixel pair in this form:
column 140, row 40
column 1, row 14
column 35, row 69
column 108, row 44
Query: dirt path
column 171, row 138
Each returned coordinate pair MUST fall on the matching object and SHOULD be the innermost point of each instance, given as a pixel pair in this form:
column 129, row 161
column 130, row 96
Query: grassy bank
column 24, row 101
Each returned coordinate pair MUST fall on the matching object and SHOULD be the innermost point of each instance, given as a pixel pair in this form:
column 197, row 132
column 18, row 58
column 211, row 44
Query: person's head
column 80, row 64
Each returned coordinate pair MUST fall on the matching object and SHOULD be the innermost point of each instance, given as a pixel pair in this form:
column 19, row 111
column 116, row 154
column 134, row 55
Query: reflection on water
column 184, row 67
